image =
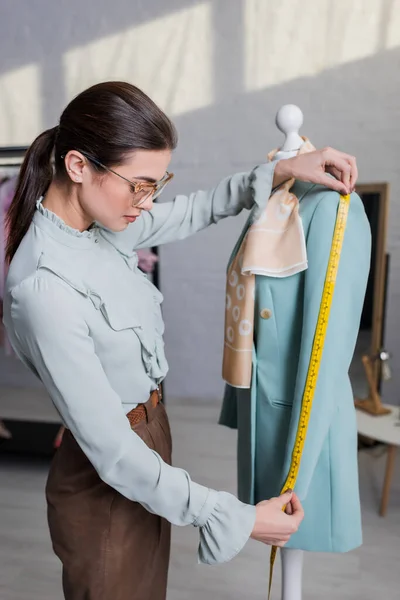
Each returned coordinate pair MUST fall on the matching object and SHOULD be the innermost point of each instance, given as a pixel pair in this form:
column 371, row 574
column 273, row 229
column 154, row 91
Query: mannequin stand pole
column 292, row 573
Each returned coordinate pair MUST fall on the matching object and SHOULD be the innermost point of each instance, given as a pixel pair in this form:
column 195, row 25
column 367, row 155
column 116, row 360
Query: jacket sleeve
column 51, row 337
column 186, row 215
column 343, row 325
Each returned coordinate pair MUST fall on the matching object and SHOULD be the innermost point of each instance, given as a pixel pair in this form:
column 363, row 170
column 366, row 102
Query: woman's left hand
column 317, row 167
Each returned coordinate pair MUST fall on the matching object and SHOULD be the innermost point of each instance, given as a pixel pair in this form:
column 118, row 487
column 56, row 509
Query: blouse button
column 266, row 313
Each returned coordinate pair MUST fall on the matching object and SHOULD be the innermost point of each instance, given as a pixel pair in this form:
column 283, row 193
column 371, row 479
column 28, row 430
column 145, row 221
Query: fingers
column 279, row 542
column 341, row 169
column 342, row 166
column 297, row 509
column 352, row 163
column 333, row 184
column 285, row 498
column 335, row 172
column 289, row 509
column 343, row 176
column 354, row 172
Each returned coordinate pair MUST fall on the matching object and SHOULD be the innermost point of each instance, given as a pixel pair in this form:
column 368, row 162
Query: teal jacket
column 267, row 415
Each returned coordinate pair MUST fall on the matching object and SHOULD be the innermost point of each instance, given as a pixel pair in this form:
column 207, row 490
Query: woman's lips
column 130, row 219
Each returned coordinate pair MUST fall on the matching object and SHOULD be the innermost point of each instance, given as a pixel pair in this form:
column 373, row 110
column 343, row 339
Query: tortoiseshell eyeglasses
column 141, row 190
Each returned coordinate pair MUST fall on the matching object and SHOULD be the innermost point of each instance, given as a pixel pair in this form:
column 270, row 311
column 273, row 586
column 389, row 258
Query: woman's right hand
column 273, row 526
column 317, row 166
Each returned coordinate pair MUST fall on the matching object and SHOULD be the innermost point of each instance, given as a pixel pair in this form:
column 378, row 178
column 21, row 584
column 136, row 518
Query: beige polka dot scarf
column 274, row 246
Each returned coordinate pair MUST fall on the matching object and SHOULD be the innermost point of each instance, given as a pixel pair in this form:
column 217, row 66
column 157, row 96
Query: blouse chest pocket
column 152, row 354
column 122, row 304
column 119, row 316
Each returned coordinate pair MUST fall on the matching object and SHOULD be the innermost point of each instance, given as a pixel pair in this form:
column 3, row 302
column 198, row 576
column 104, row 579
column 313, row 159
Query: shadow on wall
column 222, row 77
column 351, row 107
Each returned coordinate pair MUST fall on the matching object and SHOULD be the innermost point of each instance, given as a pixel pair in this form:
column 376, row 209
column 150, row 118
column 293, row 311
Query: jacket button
column 266, row 313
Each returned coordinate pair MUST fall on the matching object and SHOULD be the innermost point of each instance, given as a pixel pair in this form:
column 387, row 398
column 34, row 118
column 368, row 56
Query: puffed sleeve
column 49, row 334
column 186, row 215
column 343, row 325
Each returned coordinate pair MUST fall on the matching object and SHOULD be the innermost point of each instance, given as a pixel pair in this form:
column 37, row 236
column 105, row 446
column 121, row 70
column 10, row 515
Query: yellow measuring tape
column 316, row 355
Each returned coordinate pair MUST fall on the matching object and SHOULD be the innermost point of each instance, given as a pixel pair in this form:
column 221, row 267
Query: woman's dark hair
column 106, row 121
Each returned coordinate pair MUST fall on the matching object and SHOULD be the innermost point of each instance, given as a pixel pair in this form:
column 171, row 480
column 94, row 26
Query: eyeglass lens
column 141, row 195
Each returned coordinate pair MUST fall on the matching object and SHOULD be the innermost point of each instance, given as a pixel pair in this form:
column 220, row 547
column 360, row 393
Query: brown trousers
column 110, row 547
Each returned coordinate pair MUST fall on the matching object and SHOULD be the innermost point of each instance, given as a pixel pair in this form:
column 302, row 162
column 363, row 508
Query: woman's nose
column 147, row 204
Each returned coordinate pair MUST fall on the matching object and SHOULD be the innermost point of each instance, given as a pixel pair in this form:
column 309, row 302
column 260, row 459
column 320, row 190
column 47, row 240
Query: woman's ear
column 74, row 164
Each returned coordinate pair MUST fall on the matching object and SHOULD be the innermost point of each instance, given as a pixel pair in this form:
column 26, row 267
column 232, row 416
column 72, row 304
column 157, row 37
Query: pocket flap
column 123, row 304
column 119, row 318
column 61, row 271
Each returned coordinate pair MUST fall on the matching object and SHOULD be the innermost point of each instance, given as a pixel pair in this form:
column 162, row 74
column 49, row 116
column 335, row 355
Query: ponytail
column 34, row 179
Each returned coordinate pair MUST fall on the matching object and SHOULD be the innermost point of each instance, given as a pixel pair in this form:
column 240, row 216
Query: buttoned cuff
column 227, row 529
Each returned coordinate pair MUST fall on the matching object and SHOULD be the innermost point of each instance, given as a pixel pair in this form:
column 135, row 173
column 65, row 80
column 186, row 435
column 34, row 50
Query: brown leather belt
column 138, row 414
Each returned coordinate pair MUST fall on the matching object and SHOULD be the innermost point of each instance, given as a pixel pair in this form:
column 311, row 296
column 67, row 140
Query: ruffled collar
column 48, row 221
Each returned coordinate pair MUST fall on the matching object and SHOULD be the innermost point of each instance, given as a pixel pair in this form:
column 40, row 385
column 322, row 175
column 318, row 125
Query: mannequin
column 289, row 120
column 286, row 307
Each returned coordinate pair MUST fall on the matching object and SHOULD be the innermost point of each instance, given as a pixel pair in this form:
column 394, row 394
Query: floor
column 29, row 571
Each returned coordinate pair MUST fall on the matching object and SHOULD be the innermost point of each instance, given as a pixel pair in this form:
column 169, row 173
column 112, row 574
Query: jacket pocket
column 281, row 403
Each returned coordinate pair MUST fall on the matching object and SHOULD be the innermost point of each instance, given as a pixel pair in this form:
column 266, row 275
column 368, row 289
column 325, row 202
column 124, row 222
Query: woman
column 88, row 324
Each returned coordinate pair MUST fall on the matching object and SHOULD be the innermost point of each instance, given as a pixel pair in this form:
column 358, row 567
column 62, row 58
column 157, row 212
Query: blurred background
column 221, row 69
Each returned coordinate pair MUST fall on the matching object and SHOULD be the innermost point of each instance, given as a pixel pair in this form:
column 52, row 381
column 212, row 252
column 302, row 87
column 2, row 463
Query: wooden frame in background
column 373, row 404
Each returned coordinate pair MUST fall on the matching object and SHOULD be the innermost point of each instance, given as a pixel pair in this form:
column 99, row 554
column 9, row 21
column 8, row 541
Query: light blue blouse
column 88, row 323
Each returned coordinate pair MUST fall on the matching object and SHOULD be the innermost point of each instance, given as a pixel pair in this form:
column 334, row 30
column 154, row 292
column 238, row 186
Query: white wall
column 221, row 69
